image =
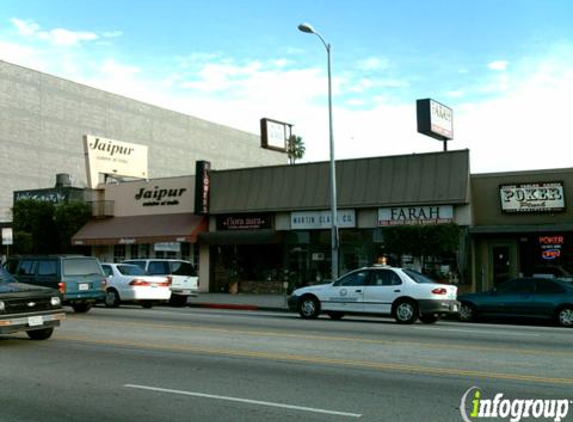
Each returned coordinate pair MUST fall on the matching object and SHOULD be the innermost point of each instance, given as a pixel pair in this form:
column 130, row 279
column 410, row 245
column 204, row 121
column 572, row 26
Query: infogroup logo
column 474, row 406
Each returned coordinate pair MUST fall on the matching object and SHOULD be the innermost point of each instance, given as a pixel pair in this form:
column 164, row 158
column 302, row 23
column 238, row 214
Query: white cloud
column 499, row 65
column 372, row 63
column 58, row 36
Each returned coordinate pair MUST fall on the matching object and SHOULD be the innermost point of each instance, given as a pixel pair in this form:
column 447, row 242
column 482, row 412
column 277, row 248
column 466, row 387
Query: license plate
column 35, row 321
column 84, row 286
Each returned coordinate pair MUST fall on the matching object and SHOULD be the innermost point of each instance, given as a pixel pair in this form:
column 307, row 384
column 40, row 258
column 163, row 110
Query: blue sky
column 505, row 67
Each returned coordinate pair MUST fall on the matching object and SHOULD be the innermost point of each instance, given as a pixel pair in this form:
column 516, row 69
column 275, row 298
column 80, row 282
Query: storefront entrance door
column 504, row 262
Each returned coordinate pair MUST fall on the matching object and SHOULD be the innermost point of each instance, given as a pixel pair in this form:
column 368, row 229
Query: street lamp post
column 305, row 27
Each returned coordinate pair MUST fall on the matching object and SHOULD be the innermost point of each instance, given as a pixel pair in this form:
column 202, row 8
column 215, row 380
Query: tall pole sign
column 435, row 120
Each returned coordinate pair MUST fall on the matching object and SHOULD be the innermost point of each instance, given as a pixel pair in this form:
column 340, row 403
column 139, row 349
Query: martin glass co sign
column 532, row 197
column 397, row 216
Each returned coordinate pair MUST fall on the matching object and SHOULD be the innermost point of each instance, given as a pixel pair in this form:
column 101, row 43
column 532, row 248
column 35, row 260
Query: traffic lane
column 494, row 336
column 383, row 351
column 101, row 388
column 449, row 336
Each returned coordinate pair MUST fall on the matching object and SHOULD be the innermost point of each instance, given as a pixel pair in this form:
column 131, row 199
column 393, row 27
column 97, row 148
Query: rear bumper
column 10, row 324
column 185, row 292
column 441, row 307
column 83, row 297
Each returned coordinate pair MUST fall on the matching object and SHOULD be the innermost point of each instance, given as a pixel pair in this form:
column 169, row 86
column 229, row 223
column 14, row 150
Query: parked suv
column 79, row 279
column 182, row 275
column 33, row 309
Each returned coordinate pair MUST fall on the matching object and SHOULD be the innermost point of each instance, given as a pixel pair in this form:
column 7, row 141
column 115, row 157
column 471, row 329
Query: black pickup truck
column 34, row 309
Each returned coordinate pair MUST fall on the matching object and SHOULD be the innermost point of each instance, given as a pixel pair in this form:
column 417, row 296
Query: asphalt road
column 166, row 364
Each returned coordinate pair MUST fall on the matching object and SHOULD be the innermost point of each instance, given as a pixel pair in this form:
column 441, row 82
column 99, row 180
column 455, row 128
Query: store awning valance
column 141, row 229
column 241, row 237
column 523, row 228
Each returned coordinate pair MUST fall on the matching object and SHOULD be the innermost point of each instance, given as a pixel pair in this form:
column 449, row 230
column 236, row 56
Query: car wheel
column 565, row 316
column 81, row 308
column 406, row 312
column 309, row 307
column 178, row 300
column 43, row 334
column 429, row 318
column 467, row 313
column 147, row 304
column 111, row 299
column 335, row 315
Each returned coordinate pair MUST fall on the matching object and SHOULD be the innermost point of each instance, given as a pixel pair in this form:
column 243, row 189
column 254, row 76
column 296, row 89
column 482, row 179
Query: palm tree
column 296, row 148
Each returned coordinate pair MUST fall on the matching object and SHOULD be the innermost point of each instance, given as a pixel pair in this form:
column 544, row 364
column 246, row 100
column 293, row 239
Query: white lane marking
column 246, row 401
column 477, row 331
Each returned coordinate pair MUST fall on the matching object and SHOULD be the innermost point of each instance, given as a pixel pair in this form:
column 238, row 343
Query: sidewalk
column 245, row 302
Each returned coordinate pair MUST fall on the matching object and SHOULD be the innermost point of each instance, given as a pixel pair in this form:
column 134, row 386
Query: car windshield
column 130, row 270
column 182, row 268
column 418, row 277
column 81, row 266
column 5, row 276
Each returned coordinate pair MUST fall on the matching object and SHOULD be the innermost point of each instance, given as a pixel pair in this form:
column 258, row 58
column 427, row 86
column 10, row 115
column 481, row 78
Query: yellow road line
column 326, row 361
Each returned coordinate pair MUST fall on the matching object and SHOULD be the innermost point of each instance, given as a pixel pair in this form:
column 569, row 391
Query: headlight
column 55, row 301
column 2, row 306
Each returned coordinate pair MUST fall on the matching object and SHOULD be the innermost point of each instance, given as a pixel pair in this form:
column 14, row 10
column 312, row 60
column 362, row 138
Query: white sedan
column 399, row 292
column 129, row 283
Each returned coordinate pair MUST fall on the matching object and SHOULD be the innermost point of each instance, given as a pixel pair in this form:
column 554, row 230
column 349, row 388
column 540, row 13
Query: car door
column 548, row 296
column 384, row 287
column 347, row 293
column 514, row 297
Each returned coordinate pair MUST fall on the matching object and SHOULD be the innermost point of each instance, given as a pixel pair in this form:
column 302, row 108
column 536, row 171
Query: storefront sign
column 244, row 222
column 397, row 216
column 435, row 119
column 109, row 156
column 202, row 187
column 54, row 196
column 274, row 134
column 550, row 247
column 532, row 197
column 167, row 247
column 312, row 220
column 159, row 196
column 7, row 238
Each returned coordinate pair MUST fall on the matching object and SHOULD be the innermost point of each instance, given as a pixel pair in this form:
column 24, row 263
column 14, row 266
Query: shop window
column 134, row 251
column 119, row 253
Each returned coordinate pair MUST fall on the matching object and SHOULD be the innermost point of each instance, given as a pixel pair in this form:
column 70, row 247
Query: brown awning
column 141, row 229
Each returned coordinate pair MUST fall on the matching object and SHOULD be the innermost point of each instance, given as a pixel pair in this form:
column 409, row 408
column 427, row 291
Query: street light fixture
column 307, row 28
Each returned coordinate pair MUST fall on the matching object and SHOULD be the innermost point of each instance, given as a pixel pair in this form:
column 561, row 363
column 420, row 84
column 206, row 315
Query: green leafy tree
column 41, row 227
column 296, row 148
column 69, row 218
column 33, row 224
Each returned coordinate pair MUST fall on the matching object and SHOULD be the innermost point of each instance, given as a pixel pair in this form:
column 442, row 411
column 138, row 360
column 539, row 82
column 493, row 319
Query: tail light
column 169, row 280
column 62, row 287
column 138, row 282
column 165, row 283
column 440, row 291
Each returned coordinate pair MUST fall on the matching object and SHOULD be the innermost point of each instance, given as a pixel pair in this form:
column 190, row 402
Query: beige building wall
column 43, row 120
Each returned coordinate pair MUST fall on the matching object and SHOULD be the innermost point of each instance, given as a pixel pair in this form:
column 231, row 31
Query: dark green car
column 528, row 297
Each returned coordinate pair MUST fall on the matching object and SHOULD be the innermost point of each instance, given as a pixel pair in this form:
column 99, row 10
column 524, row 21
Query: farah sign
column 112, row 157
column 397, row 216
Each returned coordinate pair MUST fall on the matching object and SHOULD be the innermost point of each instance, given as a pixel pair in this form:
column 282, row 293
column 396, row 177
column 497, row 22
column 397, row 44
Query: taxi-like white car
column 400, row 292
column 129, row 283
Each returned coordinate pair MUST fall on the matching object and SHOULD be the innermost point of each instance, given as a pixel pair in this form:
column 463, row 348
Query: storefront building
column 144, row 219
column 270, row 227
column 523, row 225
